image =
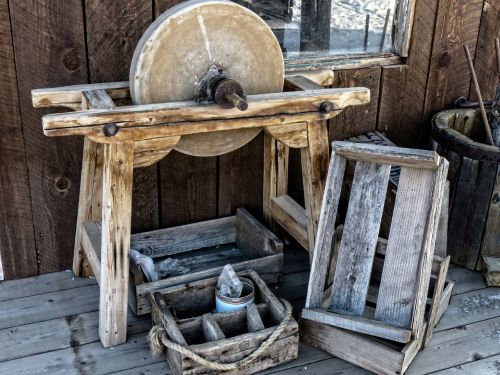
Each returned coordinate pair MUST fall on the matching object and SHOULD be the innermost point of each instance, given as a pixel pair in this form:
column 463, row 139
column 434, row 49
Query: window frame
column 402, row 29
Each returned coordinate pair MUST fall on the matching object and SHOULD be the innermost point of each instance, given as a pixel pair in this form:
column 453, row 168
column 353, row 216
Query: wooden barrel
column 474, row 175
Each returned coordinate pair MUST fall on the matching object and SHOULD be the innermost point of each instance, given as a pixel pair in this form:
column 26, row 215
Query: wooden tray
column 205, row 248
column 187, row 310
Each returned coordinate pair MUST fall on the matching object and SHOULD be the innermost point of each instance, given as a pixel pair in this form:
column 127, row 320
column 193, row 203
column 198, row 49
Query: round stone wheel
column 177, row 50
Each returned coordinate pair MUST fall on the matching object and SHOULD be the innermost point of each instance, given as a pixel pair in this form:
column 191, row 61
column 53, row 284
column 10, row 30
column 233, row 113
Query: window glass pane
column 328, row 27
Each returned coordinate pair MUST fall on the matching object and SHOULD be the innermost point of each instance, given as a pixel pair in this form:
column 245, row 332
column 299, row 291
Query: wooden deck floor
column 48, row 325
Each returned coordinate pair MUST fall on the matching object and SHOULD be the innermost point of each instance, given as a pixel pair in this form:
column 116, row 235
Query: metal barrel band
column 158, row 340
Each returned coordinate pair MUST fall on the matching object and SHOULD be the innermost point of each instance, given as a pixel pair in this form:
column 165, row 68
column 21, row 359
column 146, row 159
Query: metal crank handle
column 237, row 101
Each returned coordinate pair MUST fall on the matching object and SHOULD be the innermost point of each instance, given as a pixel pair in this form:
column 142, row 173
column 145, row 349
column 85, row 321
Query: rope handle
column 158, row 340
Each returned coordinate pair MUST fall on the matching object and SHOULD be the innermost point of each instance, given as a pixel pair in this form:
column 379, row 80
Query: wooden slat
column 168, row 241
column 270, row 176
column 485, row 62
column 415, row 203
column 49, row 47
column 491, row 238
column 46, row 283
column 433, row 317
column 17, row 241
column 254, row 321
column 359, row 239
column 326, row 228
column 253, row 238
column 403, row 87
column 357, row 120
column 48, row 306
column 91, row 243
column 292, row 217
column 113, row 30
column 404, row 157
column 358, row 324
column 59, row 333
column 457, row 23
column 240, row 181
column 211, row 329
column 470, row 210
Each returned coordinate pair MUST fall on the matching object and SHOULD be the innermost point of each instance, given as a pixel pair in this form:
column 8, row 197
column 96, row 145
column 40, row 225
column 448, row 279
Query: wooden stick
column 384, row 32
column 367, row 30
column 479, row 97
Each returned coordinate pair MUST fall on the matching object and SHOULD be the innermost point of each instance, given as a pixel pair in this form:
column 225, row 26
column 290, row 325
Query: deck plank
column 471, row 307
column 85, row 359
column 48, row 306
column 49, row 282
column 69, row 331
column 457, row 346
column 52, row 328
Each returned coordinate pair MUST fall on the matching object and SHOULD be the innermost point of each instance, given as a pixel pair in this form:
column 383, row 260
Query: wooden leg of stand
column 270, row 176
column 314, row 160
column 89, row 204
column 115, row 242
column 283, row 156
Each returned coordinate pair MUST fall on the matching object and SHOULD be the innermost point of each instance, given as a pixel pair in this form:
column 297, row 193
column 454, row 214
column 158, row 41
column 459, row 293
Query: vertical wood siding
column 45, row 43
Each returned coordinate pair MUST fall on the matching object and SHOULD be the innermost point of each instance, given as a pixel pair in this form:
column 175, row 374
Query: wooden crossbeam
column 358, row 324
column 178, row 118
column 70, row 96
column 91, row 243
column 292, row 217
column 405, row 157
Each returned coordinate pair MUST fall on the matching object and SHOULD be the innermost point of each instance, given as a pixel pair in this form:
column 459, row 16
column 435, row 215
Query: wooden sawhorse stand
column 119, row 139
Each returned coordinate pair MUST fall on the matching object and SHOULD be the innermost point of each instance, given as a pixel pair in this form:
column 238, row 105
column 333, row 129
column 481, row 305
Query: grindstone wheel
column 178, row 49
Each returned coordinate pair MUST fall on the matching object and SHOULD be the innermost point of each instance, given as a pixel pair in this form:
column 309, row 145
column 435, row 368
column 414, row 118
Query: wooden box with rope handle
column 197, row 340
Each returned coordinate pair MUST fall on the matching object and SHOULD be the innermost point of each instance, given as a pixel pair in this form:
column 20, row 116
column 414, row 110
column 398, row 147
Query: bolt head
column 110, row 130
column 325, row 107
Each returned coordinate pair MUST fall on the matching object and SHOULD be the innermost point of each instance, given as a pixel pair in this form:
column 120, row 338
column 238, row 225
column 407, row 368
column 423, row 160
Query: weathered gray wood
column 163, row 316
column 85, row 359
column 398, row 288
column 164, row 242
column 253, row 238
column 469, row 211
column 292, row 217
column 358, row 324
column 458, row 346
column 433, row 316
column 254, row 321
column 359, row 239
column 377, row 357
column 90, row 237
column 48, row 306
column 404, row 157
column 491, row 238
column 59, row 333
column 46, row 283
column 465, row 280
column 323, row 244
column 211, row 329
column 467, row 308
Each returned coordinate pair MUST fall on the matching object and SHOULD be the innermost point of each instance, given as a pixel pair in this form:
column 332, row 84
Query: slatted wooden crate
column 205, row 248
column 404, row 281
column 187, row 311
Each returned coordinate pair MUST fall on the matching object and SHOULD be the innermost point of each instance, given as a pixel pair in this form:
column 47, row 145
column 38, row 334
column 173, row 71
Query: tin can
column 224, row 303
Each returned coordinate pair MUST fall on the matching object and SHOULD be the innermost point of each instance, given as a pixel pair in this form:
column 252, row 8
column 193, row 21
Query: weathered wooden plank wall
column 46, row 43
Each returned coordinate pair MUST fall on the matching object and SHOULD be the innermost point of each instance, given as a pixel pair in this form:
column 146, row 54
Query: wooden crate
column 378, row 355
column 205, row 248
column 187, row 311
